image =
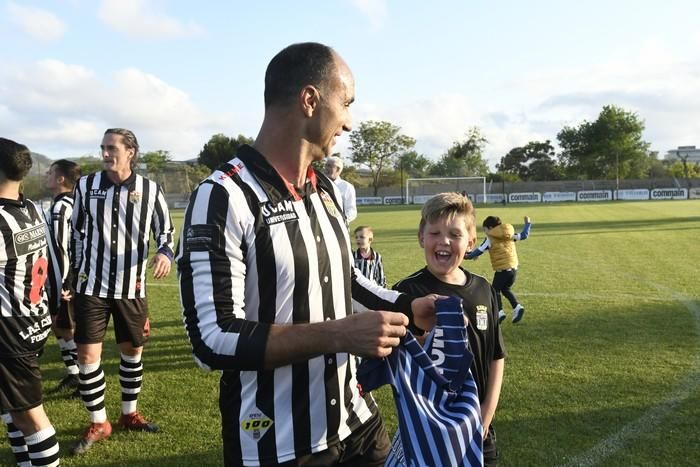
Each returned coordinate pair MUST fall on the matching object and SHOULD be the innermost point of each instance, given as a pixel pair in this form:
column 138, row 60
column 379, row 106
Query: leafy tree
column 194, row 173
column 220, row 148
column 155, row 160
column 610, row 147
column 464, row 158
column 89, row 164
column 684, row 169
column 33, row 187
column 658, row 169
column 377, row 145
column 534, row 161
column 413, row 164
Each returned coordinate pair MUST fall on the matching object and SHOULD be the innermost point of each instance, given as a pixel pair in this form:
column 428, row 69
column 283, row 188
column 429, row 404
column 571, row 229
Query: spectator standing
column 333, row 169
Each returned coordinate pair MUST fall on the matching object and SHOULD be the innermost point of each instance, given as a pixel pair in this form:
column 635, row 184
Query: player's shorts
column 20, row 383
column 92, row 316
column 65, row 316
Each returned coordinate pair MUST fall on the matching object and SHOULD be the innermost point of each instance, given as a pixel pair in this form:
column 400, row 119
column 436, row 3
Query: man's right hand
column 372, row 333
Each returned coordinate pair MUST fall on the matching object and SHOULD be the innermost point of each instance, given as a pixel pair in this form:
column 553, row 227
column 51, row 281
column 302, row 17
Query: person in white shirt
column 333, row 168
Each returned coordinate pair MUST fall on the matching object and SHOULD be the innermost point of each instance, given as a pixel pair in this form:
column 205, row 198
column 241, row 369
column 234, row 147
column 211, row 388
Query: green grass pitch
column 603, row 370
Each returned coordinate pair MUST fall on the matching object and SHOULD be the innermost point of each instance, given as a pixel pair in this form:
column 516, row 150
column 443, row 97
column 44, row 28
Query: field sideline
column 603, row 370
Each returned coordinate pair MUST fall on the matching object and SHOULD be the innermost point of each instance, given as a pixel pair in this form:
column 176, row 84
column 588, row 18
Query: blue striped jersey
column 435, row 394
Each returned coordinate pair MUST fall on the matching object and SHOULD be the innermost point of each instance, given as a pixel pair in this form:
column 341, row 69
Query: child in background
column 446, row 232
column 367, row 260
column 500, row 242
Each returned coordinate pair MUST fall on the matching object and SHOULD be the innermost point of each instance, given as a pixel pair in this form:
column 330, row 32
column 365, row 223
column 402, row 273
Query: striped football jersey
column 435, row 394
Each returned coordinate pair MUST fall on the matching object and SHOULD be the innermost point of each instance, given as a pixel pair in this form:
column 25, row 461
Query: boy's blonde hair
column 364, row 227
column 448, row 206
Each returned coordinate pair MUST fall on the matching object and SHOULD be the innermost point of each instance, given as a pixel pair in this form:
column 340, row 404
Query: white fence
column 583, row 196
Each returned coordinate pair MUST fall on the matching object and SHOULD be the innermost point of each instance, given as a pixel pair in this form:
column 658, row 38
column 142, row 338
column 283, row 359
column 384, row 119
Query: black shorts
column 92, row 316
column 20, row 383
column 65, row 315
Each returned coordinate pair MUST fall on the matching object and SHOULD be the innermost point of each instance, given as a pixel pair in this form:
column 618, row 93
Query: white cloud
column 37, row 22
column 375, row 10
column 62, row 110
column 135, row 19
column 663, row 89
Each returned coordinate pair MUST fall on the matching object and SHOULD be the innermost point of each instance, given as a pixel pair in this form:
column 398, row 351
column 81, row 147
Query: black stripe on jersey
column 300, row 314
column 230, row 406
column 159, row 214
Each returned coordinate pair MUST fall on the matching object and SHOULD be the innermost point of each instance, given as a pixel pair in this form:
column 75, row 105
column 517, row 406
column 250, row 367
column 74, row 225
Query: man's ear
column 309, row 100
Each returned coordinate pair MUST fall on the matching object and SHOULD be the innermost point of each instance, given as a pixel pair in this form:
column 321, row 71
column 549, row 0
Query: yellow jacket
column 502, row 249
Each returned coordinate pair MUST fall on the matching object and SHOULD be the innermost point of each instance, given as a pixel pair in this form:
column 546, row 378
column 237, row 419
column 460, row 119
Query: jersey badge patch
column 202, row 237
column 278, row 213
column 482, row 317
column 328, row 203
column 256, row 424
column 134, row 197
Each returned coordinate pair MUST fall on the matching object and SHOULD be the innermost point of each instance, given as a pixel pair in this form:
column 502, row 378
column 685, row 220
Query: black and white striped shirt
column 255, row 251
column 58, row 220
column 24, row 268
column 371, row 266
column 110, row 234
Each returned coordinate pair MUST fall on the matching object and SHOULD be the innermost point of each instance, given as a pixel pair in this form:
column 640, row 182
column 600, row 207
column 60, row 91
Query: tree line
column 610, row 147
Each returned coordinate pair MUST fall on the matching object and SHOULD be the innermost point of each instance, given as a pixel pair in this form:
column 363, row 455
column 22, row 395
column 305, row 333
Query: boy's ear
column 472, row 243
column 420, row 238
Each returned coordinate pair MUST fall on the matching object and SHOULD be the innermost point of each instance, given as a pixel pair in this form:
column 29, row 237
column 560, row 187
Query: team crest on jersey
column 29, row 240
column 134, row 197
column 97, row 193
column 278, row 213
column 328, row 203
column 256, row 425
column 482, row 317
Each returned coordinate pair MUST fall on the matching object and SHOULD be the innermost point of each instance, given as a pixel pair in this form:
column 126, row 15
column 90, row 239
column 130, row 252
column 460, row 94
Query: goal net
column 420, row 190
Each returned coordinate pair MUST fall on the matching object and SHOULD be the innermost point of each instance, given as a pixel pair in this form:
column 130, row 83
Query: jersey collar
column 275, row 185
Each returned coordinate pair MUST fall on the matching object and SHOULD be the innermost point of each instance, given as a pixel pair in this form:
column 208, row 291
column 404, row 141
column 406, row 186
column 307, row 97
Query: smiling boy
column 446, row 232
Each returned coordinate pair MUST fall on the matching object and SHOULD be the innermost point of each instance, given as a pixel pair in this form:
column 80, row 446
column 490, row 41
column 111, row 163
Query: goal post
column 419, row 190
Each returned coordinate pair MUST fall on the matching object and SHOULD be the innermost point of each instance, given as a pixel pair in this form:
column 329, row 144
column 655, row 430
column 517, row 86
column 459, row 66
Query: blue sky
column 177, row 72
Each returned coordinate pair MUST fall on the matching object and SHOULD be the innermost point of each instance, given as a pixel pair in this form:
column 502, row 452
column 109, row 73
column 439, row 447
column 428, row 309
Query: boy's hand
column 527, row 219
column 424, row 311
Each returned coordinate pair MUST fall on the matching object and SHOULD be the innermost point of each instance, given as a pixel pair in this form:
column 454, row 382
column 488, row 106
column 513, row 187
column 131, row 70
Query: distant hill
column 40, row 164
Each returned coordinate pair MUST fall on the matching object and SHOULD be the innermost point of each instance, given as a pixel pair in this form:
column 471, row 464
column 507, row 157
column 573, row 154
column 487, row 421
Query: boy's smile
column 444, row 243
